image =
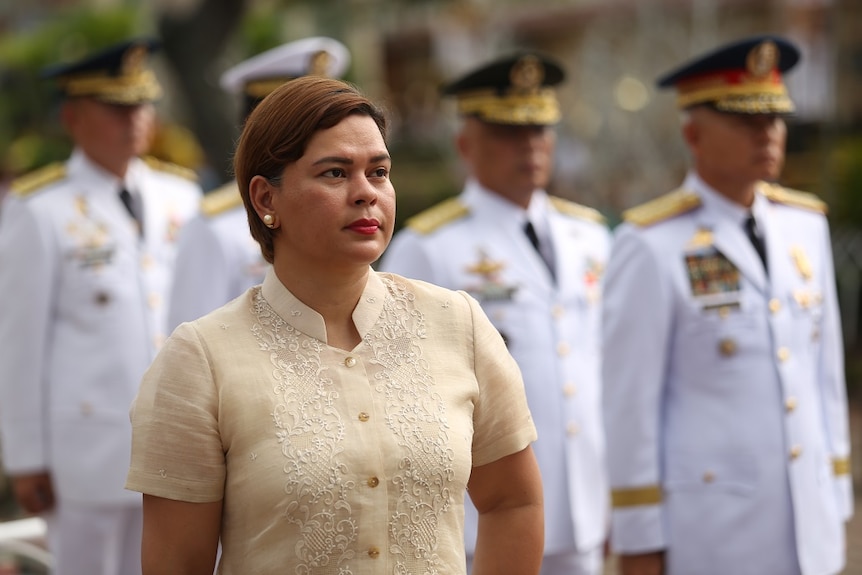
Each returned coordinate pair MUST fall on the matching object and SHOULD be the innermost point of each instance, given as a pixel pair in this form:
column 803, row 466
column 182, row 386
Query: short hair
column 278, row 131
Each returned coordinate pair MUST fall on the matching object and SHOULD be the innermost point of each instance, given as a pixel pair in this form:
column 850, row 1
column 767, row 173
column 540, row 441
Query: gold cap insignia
column 134, row 60
column 527, row 74
column 319, row 63
column 762, row 59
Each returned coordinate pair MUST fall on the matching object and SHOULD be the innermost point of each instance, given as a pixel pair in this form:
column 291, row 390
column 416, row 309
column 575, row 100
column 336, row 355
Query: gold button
column 572, row 429
column 727, row 347
column 569, row 390
column 147, row 261
column 373, row 552
column 364, row 416
column 373, row 482
column 350, row 361
column 802, row 297
column 723, row 312
column 562, row 349
column 795, row 452
column 783, row 354
column 708, row 477
column 558, row 311
column 154, row 300
column 86, row 409
column 775, row 305
column 790, row 404
column 815, row 334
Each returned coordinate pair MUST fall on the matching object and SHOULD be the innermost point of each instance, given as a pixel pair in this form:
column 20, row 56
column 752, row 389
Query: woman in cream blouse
column 328, row 421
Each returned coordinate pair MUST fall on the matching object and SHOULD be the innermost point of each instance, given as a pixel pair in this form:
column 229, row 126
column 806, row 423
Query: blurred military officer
column 725, row 398
column 218, row 259
column 535, row 263
column 87, row 248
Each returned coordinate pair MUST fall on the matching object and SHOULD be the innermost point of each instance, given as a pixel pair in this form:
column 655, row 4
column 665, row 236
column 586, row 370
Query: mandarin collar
column 308, row 321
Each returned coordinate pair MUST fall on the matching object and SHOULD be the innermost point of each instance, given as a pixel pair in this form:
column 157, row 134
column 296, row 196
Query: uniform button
column 86, row 409
column 572, row 429
column 815, row 334
column 147, row 261
column 795, row 452
column 363, row 416
column 562, row 349
column 102, row 298
column 803, row 298
column 724, row 312
column 790, row 404
column 775, row 305
column 558, row 311
column 154, row 300
column 708, row 477
column 569, row 390
column 727, row 347
column 373, row 552
column 783, row 354
column 350, row 361
column 373, row 482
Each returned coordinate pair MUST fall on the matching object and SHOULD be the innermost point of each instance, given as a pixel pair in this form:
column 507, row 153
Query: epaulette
column 662, row 208
column 438, row 215
column 577, row 210
column 162, row 166
column 29, row 183
column 795, row 198
column 221, row 200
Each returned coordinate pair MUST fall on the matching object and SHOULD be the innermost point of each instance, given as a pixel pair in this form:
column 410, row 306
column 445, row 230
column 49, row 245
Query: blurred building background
column 619, row 142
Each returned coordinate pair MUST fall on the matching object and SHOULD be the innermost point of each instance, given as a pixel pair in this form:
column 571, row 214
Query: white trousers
column 570, row 563
column 95, row 540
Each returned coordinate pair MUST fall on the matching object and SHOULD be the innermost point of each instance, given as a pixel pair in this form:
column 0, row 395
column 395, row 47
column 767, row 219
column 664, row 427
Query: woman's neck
column 331, row 293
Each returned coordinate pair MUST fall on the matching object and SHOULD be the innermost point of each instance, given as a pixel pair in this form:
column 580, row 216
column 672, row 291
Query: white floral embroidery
column 311, row 432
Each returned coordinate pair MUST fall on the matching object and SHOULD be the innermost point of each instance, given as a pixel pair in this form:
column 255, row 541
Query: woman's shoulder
column 419, row 288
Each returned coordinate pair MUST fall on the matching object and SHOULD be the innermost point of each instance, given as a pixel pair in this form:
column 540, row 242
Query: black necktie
column 756, row 238
column 534, row 240
column 133, row 209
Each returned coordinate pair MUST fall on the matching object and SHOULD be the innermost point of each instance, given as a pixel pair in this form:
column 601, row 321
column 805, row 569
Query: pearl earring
column 268, row 221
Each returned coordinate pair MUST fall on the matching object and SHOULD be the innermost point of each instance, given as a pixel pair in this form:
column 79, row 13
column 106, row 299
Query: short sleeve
column 502, row 424
column 177, row 452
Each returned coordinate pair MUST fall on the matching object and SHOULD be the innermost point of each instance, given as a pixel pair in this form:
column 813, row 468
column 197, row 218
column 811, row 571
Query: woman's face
column 336, row 205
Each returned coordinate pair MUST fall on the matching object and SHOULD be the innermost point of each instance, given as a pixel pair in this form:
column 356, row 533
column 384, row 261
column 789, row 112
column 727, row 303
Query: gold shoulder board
column 577, row 210
column 221, row 200
column 162, row 166
column 29, row 183
column 437, row 216
column 804, row 200
column 662, row 208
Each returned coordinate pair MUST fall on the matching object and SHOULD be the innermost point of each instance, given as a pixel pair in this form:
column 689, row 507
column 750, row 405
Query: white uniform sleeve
column 27, row 278
column 202, row 274
column 834, row 390
column 637, row 320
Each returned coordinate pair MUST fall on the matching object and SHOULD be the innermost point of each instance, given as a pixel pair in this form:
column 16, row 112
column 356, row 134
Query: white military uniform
column 217, row 259
column 725, row 398
column 552, row 327
column 84, row 312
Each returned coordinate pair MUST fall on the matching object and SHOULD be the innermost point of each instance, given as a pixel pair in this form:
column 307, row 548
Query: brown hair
column 278, row 131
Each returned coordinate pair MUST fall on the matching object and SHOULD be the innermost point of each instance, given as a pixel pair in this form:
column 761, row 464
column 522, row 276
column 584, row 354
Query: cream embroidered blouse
column 331, row 462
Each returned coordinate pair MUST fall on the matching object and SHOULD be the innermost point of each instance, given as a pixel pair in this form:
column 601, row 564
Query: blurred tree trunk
column 193, row 39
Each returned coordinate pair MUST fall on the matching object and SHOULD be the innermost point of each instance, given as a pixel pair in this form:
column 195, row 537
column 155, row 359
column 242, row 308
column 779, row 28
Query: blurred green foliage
column 30, row 134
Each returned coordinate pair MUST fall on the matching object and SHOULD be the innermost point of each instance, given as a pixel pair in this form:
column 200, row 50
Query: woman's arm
column 508, row 495
column 180, row 538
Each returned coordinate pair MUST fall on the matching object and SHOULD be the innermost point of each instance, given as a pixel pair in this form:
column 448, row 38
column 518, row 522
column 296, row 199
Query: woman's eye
column 380, row 172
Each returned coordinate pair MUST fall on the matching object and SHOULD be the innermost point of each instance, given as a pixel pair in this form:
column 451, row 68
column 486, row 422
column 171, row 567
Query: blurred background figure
column 87, row 248
column 217, row 259
column 535, row 263
column 726, row 408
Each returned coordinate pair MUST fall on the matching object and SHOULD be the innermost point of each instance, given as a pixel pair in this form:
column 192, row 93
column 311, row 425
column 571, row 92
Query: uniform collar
column 498, row 208
column 308, row 321
column 99, row 178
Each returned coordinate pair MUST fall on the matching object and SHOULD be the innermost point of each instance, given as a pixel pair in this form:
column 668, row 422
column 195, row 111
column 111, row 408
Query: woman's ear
column 261, row 193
